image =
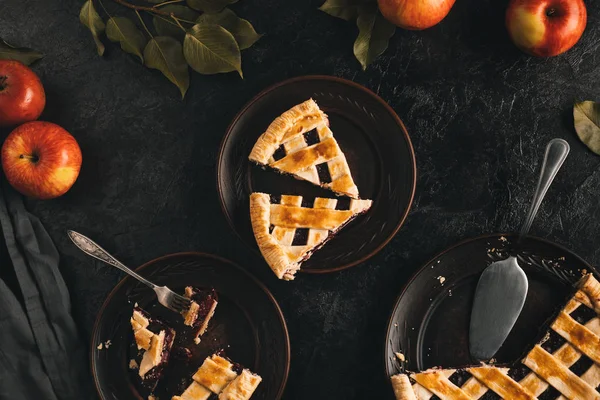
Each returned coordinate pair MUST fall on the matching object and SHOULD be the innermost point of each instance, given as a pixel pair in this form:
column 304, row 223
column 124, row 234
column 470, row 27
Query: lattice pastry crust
column 564, row 365
column 287, row 233
column 299, row 142
column 218, row 375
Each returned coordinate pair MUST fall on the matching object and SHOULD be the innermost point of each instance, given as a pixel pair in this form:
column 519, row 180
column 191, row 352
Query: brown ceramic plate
column 248, row 325
column 430, row 321
column 376, row 145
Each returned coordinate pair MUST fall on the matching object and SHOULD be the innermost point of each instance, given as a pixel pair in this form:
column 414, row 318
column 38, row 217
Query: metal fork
column 166, row 296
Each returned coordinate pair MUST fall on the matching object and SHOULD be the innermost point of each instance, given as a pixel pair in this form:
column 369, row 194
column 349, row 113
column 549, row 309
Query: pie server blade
column 502, row 288
column 499, row 299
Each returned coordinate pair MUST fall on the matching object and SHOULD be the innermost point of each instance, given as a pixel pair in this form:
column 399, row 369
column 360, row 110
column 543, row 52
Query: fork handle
column 91, row 248
column 556, row 153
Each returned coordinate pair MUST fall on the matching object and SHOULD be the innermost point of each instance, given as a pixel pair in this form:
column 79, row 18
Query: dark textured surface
column 479, row 112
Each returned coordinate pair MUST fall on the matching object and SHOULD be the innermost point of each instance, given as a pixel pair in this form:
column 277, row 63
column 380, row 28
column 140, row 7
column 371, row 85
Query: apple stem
column 2, row 82
column 31, row 158
column 550, row 12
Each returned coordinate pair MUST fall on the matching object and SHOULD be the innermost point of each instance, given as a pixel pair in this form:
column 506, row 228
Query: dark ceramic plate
column 248, row 325
column 376, row 145
column 430, row 321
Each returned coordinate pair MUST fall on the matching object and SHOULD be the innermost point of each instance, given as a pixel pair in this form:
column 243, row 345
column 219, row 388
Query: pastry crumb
column 545, row 338
column 442, row 279
column 136, row 304
column 133, row 364
column 493, row 361
column 395, row 325
column 107, row 344
column 450, row 292
column 503, row 239
column 197, row 340
column 99, row 346
column 400, row 356
column 561, row 258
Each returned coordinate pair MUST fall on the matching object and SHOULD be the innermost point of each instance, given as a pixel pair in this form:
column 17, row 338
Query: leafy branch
column 374, row 31
column 201, row 34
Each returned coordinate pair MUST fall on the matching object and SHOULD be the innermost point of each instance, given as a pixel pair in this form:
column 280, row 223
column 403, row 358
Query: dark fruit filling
column 279, row 153
column 343, row 203
column 205, row 300
column 311, row 137
column 323, row 171
column 275, row 199
column 300, row 237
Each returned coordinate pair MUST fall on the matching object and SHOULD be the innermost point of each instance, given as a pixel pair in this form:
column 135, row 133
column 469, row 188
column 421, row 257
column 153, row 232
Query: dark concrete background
column 478, row 110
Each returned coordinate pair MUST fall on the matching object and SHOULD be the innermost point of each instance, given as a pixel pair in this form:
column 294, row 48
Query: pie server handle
column 502, row 287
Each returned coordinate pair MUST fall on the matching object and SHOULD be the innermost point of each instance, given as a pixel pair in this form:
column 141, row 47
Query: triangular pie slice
column 565, row 364
column 299, row 142
column 288, row 229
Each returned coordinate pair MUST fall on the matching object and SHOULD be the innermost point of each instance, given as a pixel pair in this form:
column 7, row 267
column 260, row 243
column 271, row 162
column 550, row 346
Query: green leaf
column 587, row 124
column 344, row 9
column 210, row 6
column 123, row 30
column 374, row 33
column 170, row 28
column 166, row 55
column 90, row 18
column 241, row 29
column 211, row 49
column 23, row 54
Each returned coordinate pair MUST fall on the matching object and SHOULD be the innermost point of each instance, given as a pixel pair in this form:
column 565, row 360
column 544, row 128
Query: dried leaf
column 211, row 49
column 170, row 28
column 90, row 18
column 374, row 33
column 344, row 9
column 166, row 55
column 23, row 54
column 241, row 29
column 123, row 30
column 587, row 124
column 210, row 6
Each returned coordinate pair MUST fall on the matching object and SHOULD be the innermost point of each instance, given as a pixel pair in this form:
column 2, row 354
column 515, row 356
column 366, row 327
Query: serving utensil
column 502, row 287
column 166, row 296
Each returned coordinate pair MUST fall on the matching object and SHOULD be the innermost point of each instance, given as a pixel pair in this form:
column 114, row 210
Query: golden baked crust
column 546, row 369
column 215, row 373
column 275, row 226
column 301, row 159
column 402, row 387
column 242, row 387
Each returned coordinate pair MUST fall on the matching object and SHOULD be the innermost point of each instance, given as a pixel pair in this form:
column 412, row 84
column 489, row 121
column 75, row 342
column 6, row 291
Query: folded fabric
column 41, row 353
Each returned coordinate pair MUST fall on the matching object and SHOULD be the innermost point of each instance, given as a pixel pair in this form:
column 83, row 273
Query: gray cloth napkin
column 41, row 354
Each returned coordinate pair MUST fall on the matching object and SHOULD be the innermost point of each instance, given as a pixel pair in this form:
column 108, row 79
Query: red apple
column 41, row 159
column 415, row 14
column 545, row 28
column 22, row 96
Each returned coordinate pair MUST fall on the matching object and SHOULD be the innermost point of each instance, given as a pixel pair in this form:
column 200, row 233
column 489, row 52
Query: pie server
column 502, row 287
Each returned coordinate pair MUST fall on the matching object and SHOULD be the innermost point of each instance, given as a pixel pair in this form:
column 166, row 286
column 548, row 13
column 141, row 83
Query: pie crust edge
column 278, row 260
column 268, row 142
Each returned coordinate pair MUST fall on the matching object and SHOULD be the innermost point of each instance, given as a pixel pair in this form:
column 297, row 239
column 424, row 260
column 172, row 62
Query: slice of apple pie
column 300, row 143
column 289, row 229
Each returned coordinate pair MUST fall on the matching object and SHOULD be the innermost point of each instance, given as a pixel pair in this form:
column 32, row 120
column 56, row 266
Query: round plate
column 370, row 134
column 430, row 321
column 248, row 325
